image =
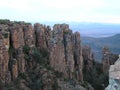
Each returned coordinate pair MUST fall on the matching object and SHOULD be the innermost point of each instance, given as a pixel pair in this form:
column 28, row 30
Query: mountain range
column 98, row 43
column 96, row 29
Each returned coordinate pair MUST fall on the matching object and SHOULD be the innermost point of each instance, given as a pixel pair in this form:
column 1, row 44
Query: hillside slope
column 98, row 43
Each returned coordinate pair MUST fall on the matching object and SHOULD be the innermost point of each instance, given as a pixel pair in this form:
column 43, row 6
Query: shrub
column 96, row 77
column 27, row 57
column 5, row 35
column 37, row 85
column 4, row 21
column 26, row 49
column 55, row 86
column 37, row 55
column 11, row 49
column 44, row 52
column 66, row 32
column 58, row 74
column 23, row 75
column 40, row 56
column 1, row 85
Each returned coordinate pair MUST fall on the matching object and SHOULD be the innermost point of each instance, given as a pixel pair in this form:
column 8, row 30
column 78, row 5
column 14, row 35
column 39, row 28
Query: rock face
column 65, row 51
column 108, row 59
column 17, row 36
column 88, row 64
column 64, row 47
column 13, row 36
column 78, row 56
column 40, row 35
column 29, row 35
column 88, row 57
column 57, row 55
column 114, row 76
column 20, row 35
column 4, row 55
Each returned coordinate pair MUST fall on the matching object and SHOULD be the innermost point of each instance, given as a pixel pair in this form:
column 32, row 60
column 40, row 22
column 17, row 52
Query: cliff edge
column 38, row 58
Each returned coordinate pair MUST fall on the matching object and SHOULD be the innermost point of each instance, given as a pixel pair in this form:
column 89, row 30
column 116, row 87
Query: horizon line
column 62, row 21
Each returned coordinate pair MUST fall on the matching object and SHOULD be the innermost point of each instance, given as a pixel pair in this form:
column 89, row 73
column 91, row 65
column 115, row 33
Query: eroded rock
column 114, row 76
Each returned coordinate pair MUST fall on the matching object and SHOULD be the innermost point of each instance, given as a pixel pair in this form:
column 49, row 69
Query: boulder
column 114, row 76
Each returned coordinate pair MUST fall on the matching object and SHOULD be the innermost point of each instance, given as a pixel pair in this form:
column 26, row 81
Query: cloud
column 22, row 5
column 54, row 4
column 61, row 10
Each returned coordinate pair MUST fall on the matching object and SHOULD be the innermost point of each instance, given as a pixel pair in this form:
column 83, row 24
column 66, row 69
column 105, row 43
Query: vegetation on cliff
column 38, row 58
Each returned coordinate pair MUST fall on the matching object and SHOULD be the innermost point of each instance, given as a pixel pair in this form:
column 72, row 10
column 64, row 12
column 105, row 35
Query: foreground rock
column 114, row 76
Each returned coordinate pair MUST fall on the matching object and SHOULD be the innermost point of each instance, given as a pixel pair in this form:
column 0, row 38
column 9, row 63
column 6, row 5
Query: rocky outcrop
column 13, row 36
column 40, row 35
column 68, row 50
column 17, row 36
column 88, row 57
column 17, row 61
column 29, row 35
column 65, row 51
column 14, row 69
column 19, row 42
column 57, row 55
column 4, row 55
column 89, row 65
column 108, row 58
column 78, row 56
column 114, row 76
column 43, row 34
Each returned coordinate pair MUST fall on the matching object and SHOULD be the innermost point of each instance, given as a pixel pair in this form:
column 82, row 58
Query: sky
column 105, row 11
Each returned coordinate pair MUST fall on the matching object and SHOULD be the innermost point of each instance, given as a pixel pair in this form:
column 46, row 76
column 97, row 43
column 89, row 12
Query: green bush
column 5, row 35
column 58, row 74
column 37, row 55
column 11, row 49
column 66, row 32
column 26, row 49
column 44, row 52
column 55, row 86
column 96, row 77
column 41, row 56
column 1, row 85
column 23, row 75
column 4, row 21
column 27, row 57
column 37, row 85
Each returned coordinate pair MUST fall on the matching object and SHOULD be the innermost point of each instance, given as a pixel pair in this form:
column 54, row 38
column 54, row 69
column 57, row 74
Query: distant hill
column 96, row 29
column 91, row 29
column 96, row 44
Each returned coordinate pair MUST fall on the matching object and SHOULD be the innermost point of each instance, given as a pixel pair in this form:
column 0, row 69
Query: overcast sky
column 61, row 10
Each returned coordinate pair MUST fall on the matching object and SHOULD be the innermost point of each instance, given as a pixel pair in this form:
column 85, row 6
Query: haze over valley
column 96, row 29
column 90, row 29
